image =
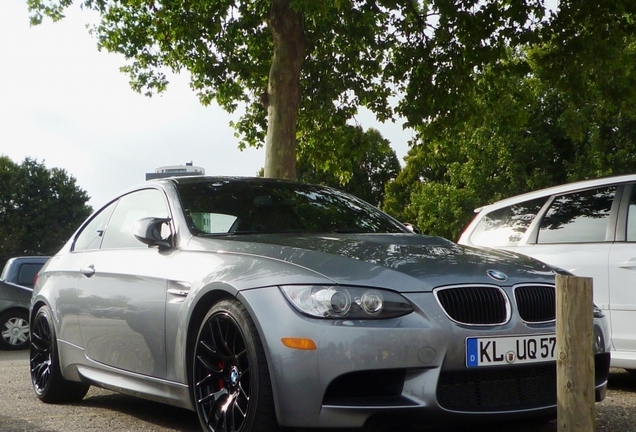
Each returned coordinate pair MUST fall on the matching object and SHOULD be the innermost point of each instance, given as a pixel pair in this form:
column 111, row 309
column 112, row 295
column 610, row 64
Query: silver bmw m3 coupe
column 263, row 304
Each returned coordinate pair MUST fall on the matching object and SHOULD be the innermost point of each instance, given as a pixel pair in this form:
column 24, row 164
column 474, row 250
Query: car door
column 575, row 233
column 123, row 291
column 622, row 274
column 67, row 274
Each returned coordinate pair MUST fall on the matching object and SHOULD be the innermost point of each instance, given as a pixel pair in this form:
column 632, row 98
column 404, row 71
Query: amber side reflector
column 299, row 343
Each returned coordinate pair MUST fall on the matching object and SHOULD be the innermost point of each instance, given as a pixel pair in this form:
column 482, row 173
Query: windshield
column 263, row 206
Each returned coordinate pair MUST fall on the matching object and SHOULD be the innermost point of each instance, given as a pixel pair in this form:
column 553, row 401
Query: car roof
column 207, row 179
column 33, row 258
column 193, row 179
column 228, row 179
column 568, row 187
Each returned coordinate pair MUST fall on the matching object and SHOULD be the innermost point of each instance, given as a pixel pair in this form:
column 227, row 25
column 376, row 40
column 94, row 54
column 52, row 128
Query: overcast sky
column 66, row 104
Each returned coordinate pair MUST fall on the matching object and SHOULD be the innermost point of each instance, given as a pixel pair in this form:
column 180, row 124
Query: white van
column 587, row 228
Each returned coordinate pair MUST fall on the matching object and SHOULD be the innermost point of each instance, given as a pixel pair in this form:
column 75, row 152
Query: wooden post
column 575, row 354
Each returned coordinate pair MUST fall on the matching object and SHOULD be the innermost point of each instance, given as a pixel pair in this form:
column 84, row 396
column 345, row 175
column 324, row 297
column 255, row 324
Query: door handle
column 88, row 271
column 627, row 264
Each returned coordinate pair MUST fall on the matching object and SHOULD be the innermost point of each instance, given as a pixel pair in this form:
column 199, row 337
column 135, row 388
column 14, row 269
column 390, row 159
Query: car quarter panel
column 12, row 295
column 58, row 286
column 198, row 273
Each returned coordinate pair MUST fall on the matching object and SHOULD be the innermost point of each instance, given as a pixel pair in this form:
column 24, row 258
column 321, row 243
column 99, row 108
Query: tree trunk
column 283, row 90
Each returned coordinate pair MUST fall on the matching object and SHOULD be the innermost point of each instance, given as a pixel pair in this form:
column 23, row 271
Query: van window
column 579, row 217
column 631, row 218
column 506, row 226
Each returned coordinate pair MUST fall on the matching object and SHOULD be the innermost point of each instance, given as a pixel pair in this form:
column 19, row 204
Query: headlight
column 344, row 302
column 598, row 313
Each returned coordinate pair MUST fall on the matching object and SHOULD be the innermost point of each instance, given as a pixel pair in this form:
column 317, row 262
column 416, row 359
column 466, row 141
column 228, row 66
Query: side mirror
column 412, row 228
column 149, row 231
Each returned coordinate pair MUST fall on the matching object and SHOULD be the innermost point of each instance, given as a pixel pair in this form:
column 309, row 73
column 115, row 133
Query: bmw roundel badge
column 497, row 275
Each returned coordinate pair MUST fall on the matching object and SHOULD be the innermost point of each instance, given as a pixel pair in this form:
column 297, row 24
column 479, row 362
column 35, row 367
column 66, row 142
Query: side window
column 91, row 235
column 506, row 226
column 579, row 217
column 131, row 208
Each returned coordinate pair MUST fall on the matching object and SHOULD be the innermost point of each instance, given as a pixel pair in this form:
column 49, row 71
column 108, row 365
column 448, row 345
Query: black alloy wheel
column 14, row 329
column 48, row 383
column 231, row 384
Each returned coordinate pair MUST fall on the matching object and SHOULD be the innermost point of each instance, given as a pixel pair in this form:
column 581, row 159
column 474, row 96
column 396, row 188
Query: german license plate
column 497, row 351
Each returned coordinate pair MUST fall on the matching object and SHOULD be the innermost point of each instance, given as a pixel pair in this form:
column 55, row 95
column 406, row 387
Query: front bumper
column 412, row 367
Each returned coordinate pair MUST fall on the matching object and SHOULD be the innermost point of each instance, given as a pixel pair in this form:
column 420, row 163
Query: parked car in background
column 16, row 287
column 587, row 228
column 261, row 303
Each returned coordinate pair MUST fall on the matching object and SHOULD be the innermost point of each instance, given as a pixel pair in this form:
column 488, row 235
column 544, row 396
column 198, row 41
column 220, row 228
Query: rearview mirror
column 150, row 231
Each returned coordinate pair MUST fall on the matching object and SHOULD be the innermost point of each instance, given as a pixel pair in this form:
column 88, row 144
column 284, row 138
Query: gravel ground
column 102, row 410
column 617, row 413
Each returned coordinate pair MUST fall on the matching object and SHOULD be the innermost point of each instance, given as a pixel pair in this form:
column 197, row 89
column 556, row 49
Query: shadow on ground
column 151, row 412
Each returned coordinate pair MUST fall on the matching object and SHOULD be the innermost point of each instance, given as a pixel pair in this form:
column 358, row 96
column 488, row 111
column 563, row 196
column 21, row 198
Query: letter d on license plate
column 508, row 350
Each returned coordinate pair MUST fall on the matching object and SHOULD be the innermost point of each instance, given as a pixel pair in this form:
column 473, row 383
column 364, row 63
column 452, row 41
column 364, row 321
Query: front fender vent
column 475, row 304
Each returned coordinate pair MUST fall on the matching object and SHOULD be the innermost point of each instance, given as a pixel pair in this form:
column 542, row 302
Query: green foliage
column 587, row 55
column 39, row 208
column 447, row 44
column 557, row 108
column 524, row 135
column 440, row 208
column 414, row 58
column 364, row 166
column 226, row 47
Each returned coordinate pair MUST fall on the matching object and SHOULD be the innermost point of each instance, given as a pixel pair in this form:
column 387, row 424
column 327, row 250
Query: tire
column 46, row 376
column 230, row 381
column 14, row 329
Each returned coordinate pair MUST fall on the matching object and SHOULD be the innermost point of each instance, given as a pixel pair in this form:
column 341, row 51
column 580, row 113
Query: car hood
column 408, row 262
